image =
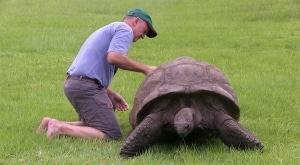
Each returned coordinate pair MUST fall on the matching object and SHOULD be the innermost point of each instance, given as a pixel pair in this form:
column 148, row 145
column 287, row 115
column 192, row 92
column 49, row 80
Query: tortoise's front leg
column 143, row 136
column 235, row 135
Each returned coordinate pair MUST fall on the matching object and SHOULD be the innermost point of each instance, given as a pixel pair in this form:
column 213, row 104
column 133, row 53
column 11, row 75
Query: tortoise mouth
column 183, row 130
column 184, row 122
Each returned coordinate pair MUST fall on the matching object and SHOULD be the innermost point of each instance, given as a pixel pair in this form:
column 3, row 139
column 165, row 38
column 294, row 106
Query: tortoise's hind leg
column 235, row 135
column 143, row 136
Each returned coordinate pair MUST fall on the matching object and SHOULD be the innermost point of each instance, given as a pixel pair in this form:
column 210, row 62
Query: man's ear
column 136, row 20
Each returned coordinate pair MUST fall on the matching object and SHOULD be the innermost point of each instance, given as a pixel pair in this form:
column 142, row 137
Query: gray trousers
column 93, row 106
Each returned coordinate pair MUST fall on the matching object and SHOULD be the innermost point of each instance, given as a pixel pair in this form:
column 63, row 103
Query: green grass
column 255, row 43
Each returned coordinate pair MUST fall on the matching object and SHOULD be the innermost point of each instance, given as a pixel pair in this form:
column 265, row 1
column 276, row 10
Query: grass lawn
column 255, row 43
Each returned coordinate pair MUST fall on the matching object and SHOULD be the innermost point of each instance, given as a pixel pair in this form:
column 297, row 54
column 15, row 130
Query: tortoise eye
column 187, row 126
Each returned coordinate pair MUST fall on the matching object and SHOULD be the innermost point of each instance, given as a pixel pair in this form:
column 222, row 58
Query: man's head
column 142, row 23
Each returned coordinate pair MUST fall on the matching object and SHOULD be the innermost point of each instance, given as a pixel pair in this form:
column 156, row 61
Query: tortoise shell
column 183, row 75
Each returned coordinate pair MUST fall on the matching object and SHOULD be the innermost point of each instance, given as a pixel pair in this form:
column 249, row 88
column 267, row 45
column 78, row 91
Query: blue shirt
column 91, row 60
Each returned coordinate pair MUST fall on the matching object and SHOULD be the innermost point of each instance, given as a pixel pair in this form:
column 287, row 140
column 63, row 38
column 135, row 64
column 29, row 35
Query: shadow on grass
column 169, row 145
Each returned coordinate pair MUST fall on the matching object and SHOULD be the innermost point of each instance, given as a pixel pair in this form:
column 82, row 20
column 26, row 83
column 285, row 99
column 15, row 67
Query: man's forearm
column 110, row 92
column 126, row 63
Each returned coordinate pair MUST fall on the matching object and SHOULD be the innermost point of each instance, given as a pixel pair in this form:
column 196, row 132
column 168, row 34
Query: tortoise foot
column 142, row 136
column 235, row 135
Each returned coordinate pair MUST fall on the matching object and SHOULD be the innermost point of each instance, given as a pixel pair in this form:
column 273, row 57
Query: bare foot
column 43, row 125
column 53, row 128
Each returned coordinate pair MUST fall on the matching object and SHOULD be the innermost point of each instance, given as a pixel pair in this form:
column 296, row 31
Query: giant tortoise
column 181, row 98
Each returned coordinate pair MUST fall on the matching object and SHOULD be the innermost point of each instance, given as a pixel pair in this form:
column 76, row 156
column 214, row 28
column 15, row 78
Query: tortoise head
column 184, row 122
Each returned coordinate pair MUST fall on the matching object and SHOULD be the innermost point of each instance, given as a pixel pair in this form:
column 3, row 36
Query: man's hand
column 117, row 100
column 150, row 69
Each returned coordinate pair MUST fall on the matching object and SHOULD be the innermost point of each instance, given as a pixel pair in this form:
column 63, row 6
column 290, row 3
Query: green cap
column 142, row 14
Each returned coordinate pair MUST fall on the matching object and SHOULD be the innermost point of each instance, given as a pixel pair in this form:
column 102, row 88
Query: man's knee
column 113, row 136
